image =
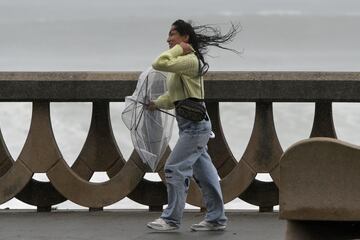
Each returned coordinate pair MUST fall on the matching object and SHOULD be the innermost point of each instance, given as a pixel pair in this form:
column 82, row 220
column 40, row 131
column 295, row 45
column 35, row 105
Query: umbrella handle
column 145, row 104
column 165, row 112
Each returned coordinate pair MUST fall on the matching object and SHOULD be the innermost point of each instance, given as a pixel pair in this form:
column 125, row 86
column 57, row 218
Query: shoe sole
column 208, row 229
column 160, row 228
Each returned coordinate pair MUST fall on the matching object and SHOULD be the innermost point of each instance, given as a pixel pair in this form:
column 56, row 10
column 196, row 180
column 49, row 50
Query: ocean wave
column 280, row 13
column 267, row 13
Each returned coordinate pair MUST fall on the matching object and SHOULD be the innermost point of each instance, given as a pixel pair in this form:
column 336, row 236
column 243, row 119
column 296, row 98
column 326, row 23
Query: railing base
column 96, row 209
column 44, row 209
column 155, row 208
column 266, row 209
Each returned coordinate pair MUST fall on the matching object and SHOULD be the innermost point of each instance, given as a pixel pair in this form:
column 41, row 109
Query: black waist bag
column 191, row 110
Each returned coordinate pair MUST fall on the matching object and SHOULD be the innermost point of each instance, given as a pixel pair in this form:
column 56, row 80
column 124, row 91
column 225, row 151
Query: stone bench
column 319, row 187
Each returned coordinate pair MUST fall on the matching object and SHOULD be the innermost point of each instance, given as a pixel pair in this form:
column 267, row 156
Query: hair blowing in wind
column 203, row 36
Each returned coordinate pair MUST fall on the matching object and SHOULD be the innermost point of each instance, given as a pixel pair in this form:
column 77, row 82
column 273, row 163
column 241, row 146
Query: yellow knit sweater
column 186, row 66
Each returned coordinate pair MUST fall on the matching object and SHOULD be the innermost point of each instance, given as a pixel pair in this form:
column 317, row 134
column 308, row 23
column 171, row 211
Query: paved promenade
column 130, row 224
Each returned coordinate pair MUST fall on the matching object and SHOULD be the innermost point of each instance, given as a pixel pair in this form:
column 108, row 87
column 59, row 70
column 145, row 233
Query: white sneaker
column 207, row 226
column 160, row 224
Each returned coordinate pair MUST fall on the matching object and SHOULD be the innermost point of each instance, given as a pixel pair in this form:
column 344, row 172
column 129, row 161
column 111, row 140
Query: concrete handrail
column 240, row 86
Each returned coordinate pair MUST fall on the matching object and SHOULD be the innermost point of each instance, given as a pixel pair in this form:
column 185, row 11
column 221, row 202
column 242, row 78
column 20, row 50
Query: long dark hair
column 203, row 36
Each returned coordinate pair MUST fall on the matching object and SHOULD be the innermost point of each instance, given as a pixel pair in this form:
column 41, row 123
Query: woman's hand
column 186, row 48
column 151, row 106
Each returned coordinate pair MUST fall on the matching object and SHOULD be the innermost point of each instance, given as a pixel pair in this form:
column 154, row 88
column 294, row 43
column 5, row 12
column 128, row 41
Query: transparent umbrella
column 150, row 130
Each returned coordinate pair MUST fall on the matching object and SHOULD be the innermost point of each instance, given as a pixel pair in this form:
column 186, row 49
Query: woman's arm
column 164, row 101
column 174, row 60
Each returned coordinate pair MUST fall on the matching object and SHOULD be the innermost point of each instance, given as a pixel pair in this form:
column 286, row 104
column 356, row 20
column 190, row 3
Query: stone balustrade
column 100, row 152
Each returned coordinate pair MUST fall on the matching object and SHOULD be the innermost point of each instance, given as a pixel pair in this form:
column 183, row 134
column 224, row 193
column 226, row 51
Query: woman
column 189, row 158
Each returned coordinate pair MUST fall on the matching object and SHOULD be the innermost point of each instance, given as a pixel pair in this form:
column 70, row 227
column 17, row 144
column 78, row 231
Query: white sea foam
column 279, row 12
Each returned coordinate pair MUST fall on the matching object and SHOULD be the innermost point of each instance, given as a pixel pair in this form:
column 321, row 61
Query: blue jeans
column 190, row 158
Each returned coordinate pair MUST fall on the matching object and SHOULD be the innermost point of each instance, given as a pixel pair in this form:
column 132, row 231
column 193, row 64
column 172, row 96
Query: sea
column 112, row 35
